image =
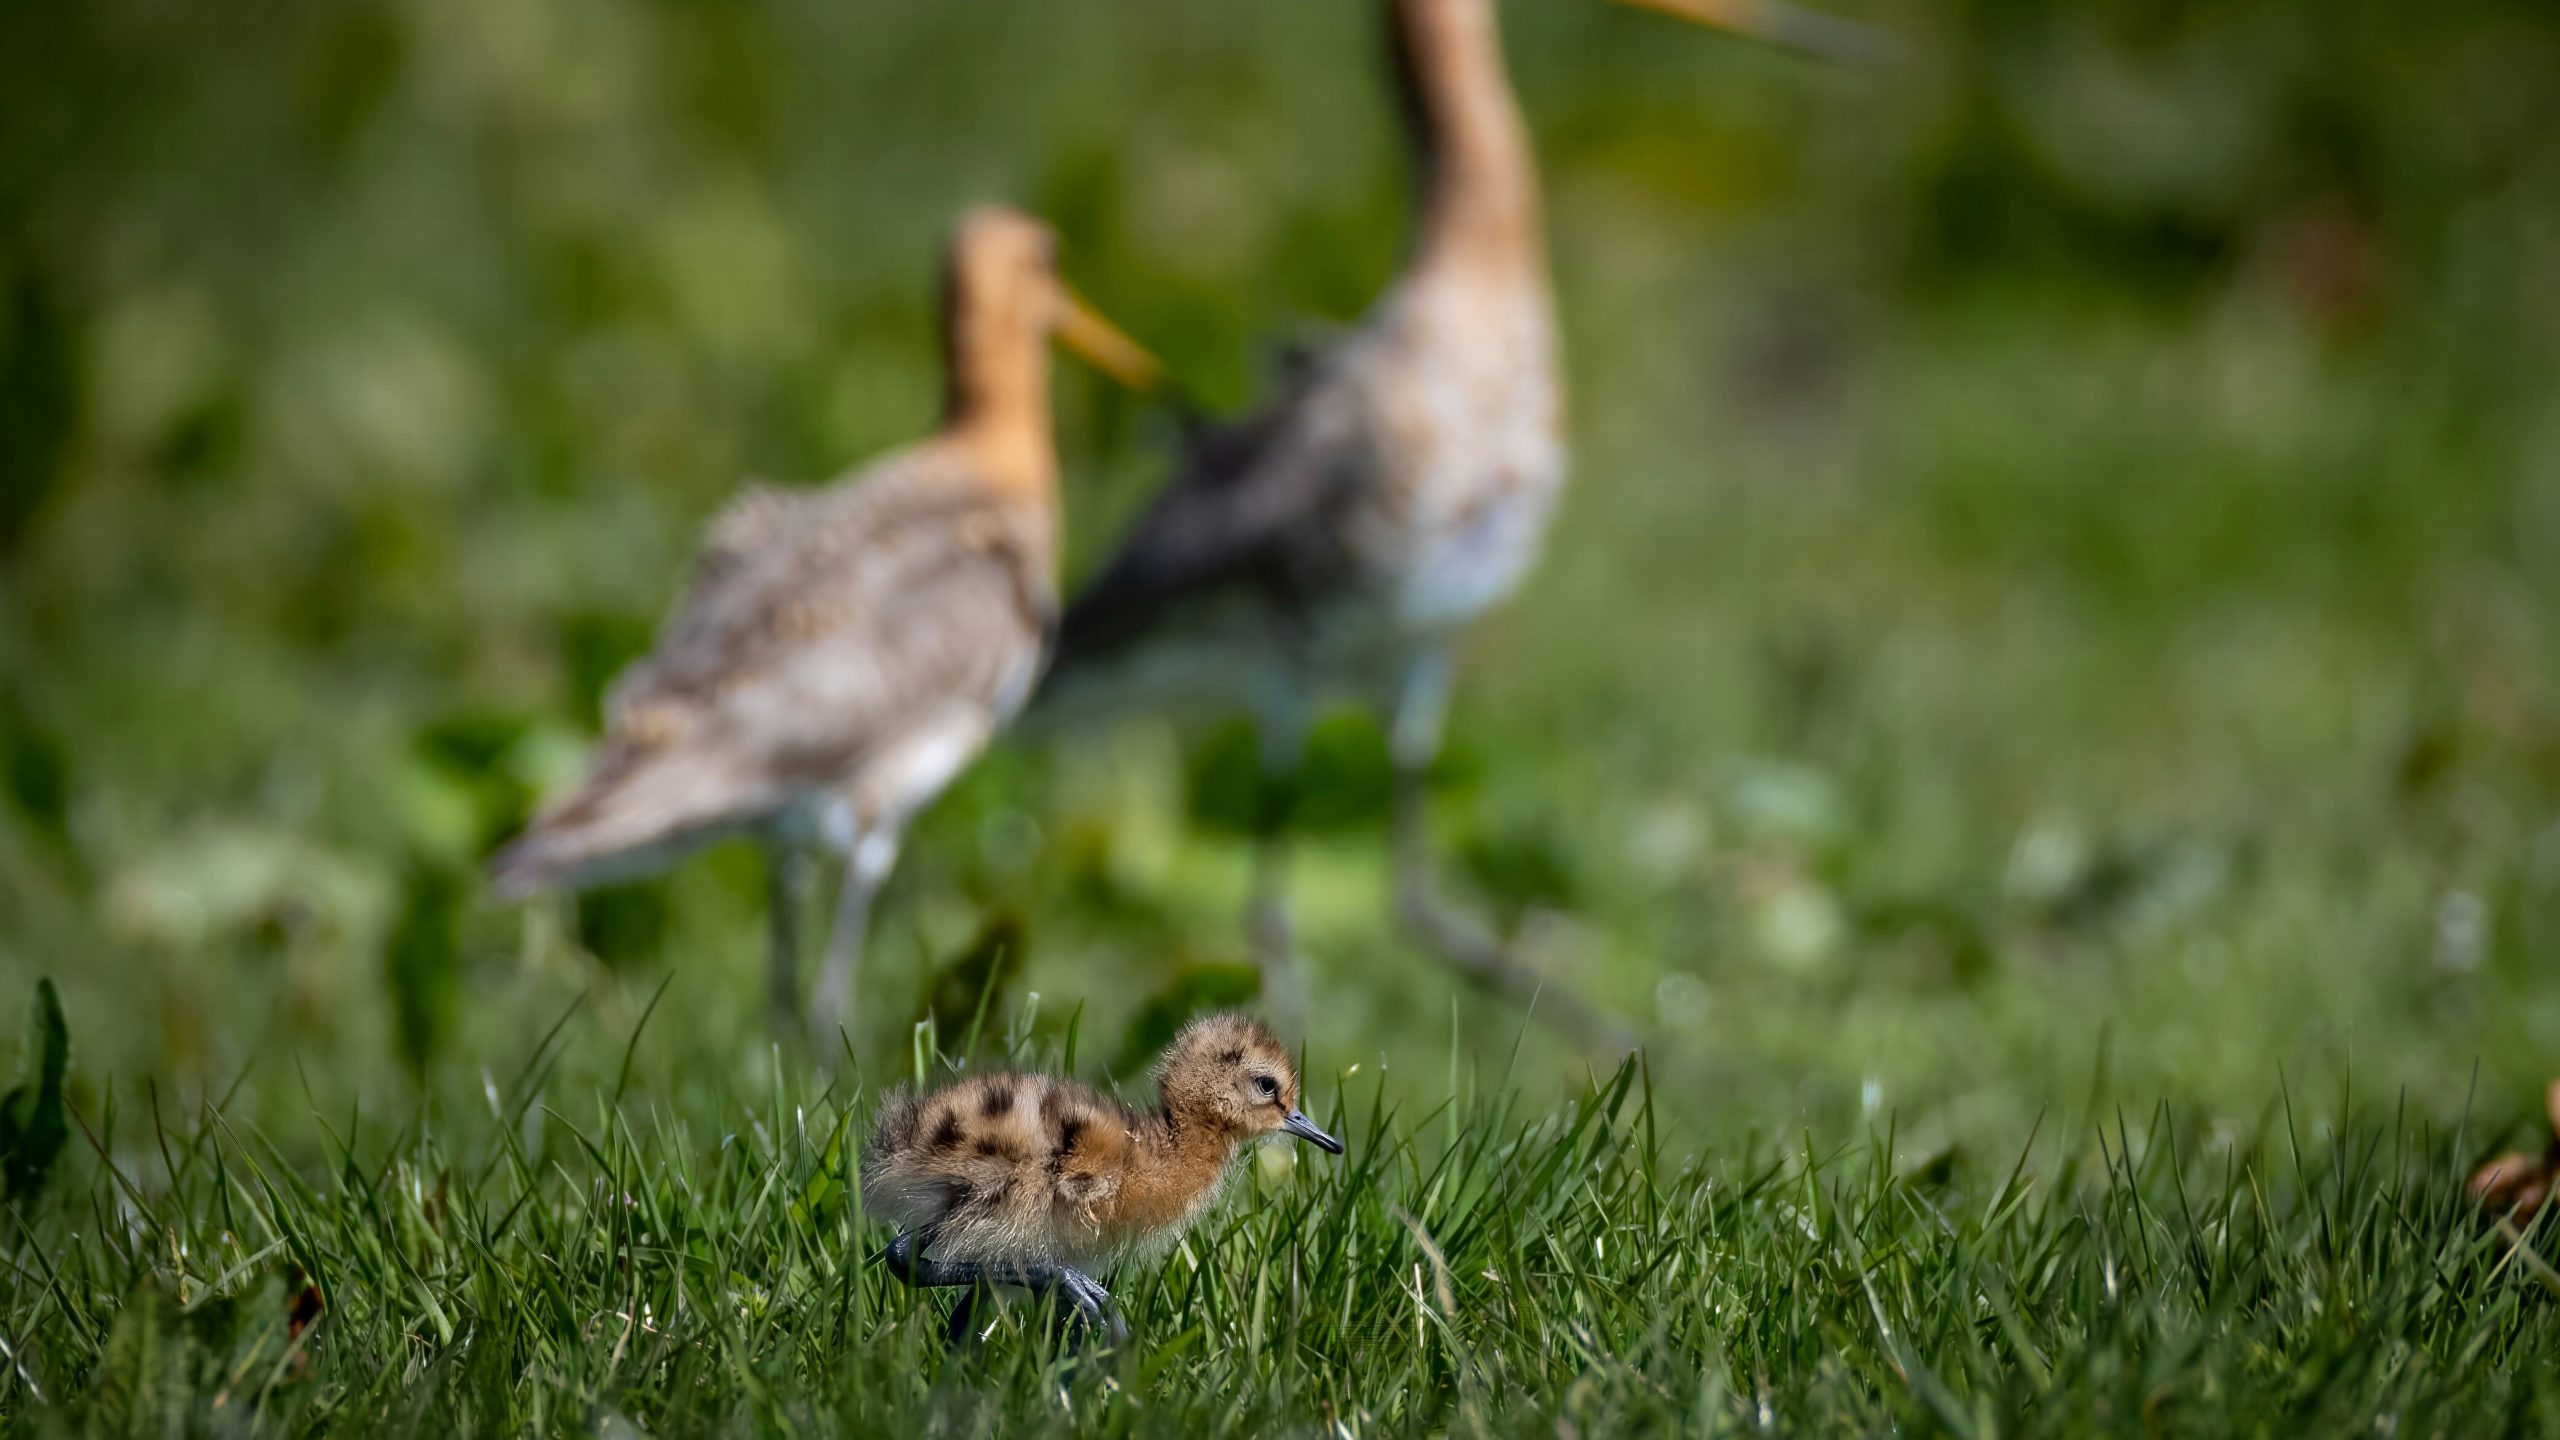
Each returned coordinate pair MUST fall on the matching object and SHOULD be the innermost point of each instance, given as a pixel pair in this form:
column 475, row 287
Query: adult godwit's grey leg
column 1081, row 1290
column 1280, row 732
column 872, row 857
column 1462, row 941
column 790, row 871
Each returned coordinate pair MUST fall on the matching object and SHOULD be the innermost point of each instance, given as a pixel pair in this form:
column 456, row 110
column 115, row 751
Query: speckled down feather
column 1030, row 1167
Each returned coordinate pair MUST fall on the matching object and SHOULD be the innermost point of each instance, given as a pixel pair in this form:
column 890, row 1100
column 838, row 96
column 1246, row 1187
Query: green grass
column 562, row 1263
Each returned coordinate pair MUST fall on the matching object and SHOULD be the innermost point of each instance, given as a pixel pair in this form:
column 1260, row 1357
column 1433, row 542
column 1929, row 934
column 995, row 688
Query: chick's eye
column 1266, row 1085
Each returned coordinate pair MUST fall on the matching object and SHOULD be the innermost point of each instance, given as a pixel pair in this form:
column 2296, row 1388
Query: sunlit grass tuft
column 561, row 1261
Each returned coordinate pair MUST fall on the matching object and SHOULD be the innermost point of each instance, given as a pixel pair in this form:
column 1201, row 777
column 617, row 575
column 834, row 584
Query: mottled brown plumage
column 1030, row 1170
column 844, row 651
column 830, row 637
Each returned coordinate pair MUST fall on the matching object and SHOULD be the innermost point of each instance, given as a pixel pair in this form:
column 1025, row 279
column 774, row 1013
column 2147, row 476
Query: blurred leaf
column 1780, row 800
column 32, row 1124
column 1945, row 937
column 1795, row 921
column 201, row 447
column 2429, row 752
column 1811, row 677
column 38, row 400
column 624, row 925
column 2140, row 884
column 442, row 810
column 135, row 1383
column 1096, row 890
column 1224, row 786
column 468, row 795
column 1344, row 780
column 986, row 967
column 1196, row 990
column 35, row 768
column 1459, row 769
column 423, row 963
column 473, row 739
column 350, row 69
column 222, row 881
column 596, row 646
column 1522, row 867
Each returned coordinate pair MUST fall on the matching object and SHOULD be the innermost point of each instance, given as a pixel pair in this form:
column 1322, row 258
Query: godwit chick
column 1026, row 1179
column 1342, row 541
column 844, row 651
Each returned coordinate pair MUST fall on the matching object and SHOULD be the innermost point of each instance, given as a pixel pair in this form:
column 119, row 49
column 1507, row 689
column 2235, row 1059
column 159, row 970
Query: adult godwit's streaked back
column 843, row 652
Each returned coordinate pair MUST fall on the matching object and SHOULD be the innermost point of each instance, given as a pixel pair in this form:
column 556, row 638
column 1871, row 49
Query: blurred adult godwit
column 843, row 652
column 1342, row 540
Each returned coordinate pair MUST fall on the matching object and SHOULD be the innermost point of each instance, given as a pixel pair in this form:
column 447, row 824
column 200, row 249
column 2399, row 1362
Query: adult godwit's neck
column 998, row 403
column 1479, row 176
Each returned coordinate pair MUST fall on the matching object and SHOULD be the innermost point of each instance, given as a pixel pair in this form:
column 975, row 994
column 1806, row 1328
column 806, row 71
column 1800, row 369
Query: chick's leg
column 1080, row 1290
column 1098, row 1307
column 962, row 1328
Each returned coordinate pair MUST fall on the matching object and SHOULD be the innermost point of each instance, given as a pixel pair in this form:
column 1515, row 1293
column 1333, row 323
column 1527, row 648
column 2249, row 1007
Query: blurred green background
column 2064, row 558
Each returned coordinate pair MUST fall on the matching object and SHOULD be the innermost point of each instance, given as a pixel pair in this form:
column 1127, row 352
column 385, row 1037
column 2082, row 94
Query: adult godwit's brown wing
column 1254, row 511
column 820, row 631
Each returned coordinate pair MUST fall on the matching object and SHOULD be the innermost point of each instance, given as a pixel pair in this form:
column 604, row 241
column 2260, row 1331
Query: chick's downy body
column 1008, row 1167
column 1030, row 1168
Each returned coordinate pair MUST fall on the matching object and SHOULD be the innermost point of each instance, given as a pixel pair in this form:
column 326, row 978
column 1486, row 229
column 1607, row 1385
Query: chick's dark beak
column 1305, row 1129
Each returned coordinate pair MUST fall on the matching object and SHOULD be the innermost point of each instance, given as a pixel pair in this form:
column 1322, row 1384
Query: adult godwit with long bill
column 843, row 652
column 1340, row 542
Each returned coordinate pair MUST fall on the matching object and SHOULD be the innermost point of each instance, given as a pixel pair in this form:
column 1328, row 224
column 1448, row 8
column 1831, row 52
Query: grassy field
column 2043, row 708
column 1475, row 1267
